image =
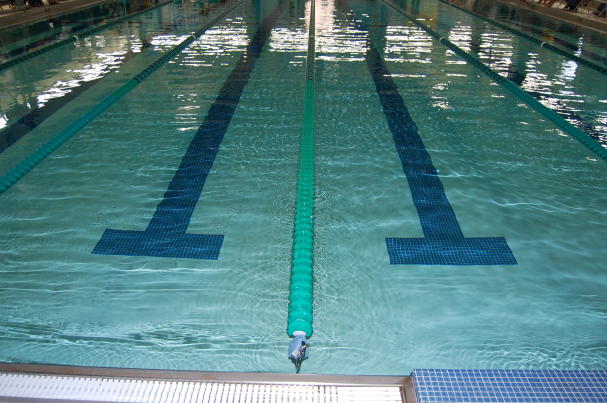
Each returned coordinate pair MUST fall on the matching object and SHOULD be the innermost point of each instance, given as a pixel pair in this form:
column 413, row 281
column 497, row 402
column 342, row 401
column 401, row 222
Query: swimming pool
column 506, row 172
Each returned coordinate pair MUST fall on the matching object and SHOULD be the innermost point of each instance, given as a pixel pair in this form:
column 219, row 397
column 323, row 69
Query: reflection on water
column 91, row 59
column 88, row 72
column 549, row 78
column 461, row 35
column 407, row 44
column 550, row 30
column 337, row 39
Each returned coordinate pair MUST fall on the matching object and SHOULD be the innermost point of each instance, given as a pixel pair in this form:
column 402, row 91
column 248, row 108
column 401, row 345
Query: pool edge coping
column 405, row 382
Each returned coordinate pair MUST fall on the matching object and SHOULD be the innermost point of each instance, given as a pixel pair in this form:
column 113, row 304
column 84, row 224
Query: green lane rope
column 22, row 168
column 564, row 53
column 302, row 266
column 76, row 37
column 562, row 124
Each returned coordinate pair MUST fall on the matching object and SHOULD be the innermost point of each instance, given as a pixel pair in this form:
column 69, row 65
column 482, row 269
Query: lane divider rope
column 562, row 124
column 302, row 263
column 12, row 63
column 22, row 168
column 564, row 53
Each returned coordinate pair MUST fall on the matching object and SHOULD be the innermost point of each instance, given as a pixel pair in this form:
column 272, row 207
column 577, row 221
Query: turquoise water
column 506, row 172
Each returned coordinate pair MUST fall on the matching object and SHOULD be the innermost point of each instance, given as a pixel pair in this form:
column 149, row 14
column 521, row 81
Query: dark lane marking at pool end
column 444, row 242
column 166, row 235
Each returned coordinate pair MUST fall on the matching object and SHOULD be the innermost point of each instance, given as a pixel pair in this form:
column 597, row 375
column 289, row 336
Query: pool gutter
column 405, row 383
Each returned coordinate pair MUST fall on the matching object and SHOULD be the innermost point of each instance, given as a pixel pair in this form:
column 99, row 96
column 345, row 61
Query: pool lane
column 586, row 42
column 73, row 27
column 546, row 112
column 25, row 38
column 564, row 53
column 44, row 107
column 11, row 134
column 21, row 169
column 501, row 166
column 575, row 93
column 226, row 313
column 64, row 26
column 443, row 242
column 78, row 36
column 165, row 236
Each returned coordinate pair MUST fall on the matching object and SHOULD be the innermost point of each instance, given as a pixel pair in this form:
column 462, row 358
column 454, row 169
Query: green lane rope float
column 302, row 266
column 562, row 124
column 564, row 53
column 12, row 176
column 76, row 37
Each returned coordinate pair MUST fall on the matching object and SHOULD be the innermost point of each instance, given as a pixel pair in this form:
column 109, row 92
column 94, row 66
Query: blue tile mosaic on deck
column 166, row 235
column 509, row 386
column 443, row 242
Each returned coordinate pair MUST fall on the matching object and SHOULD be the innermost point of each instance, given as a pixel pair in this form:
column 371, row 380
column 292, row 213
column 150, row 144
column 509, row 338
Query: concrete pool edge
column 41, row 383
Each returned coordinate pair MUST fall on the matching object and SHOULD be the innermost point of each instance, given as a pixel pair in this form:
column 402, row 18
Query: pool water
column 506, row 172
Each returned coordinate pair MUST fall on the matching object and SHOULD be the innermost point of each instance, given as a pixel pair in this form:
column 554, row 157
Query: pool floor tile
column 509, row 386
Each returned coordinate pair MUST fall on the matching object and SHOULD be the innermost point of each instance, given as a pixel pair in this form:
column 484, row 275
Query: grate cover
column 27, row 387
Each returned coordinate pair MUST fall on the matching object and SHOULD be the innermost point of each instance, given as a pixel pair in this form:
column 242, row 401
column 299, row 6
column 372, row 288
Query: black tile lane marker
column 11, row 134
column 444, row 242
column 166, row 235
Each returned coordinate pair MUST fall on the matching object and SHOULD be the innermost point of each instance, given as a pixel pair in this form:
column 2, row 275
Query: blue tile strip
column 509, row 386
column 443, row 242
column 166, row 235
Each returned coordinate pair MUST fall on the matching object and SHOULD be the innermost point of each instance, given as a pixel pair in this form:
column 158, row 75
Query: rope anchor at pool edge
column 298, row 349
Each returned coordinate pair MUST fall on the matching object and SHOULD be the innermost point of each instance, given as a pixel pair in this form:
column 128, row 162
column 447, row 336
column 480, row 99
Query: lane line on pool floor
column 554, row 117
column 444, row 242
column 302, row 264
column 16, row 173
column 165, row 235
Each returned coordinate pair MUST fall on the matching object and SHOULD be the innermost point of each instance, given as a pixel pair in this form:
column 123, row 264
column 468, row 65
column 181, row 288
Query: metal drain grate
column 22, row 387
